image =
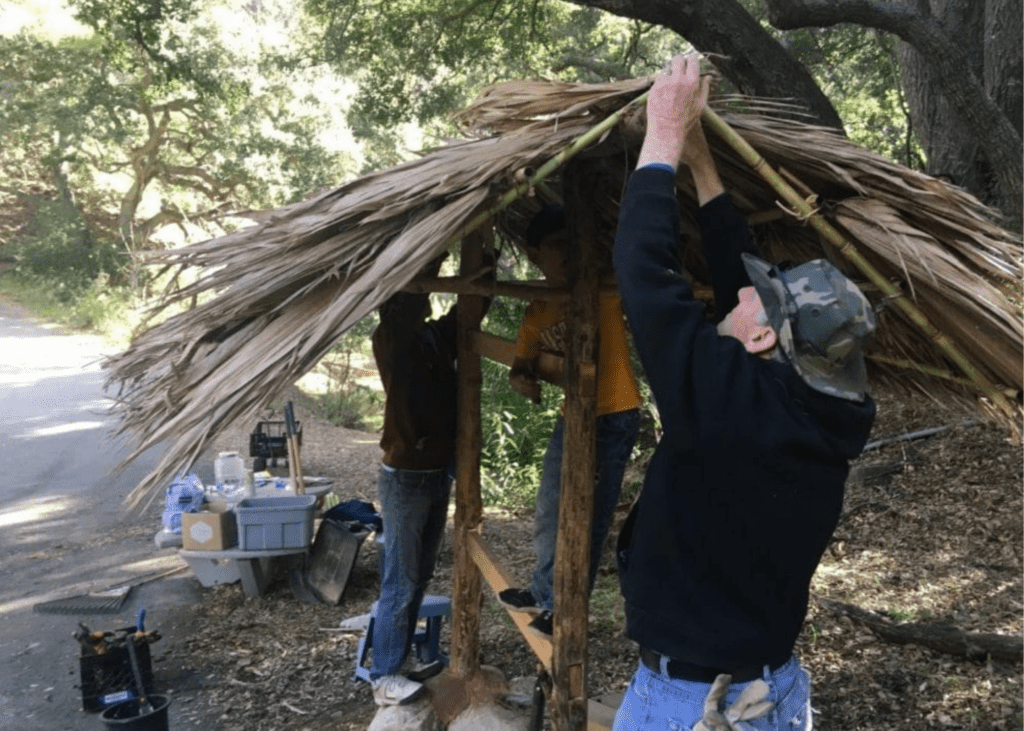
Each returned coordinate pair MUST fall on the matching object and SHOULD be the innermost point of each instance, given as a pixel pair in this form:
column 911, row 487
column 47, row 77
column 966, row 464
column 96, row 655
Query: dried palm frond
column 281, row 292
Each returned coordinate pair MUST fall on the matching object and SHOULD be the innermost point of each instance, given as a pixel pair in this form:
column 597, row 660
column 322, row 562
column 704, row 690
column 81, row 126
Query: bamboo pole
column 932, row 371
column 803, row 210
column 563, row 156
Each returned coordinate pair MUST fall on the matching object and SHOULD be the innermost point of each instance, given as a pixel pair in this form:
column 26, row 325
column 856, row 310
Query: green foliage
column 98, row 307
column 58, row 245
column 344, row 401
column 515, row 430
column 515, row 437
column 419, row 60
column 354, row 407
column 155, row 121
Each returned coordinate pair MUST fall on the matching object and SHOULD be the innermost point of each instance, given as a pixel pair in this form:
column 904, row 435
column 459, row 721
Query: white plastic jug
column 231, row 475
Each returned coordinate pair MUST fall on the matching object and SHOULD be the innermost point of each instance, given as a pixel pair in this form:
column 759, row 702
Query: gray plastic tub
column 268, row 523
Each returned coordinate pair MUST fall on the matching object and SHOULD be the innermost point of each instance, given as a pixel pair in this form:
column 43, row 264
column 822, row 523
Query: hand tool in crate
column 269, row 441
column 108, row 674
column 294, row 459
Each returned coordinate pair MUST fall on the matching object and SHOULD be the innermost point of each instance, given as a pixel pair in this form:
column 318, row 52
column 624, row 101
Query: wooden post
column 575, row 512
column 466, row 582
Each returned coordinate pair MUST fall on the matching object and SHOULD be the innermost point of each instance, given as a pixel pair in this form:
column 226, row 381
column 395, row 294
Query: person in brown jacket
column 416, row 358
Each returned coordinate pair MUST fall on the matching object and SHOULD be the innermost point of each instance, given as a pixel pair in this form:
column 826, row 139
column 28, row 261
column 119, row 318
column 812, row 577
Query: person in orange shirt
column 618, row 416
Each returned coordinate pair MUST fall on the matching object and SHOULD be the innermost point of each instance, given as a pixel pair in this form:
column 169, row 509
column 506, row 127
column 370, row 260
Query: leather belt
column 680, row 670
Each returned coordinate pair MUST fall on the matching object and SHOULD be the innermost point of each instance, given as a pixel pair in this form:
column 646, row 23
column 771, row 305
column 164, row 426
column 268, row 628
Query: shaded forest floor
column 931, row 535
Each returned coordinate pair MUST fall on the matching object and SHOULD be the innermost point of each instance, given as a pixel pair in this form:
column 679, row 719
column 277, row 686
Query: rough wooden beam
column 600, row 711
column 498, row 579
column 466, row 583
column 549, row 367
column 575, row 512
column 526, row 289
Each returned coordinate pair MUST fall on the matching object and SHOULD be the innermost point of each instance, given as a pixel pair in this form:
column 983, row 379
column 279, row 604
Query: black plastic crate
column 111, row 672
column 269, row 441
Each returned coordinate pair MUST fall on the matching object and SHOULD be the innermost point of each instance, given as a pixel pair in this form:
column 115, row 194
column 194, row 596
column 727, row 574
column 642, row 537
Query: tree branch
column 944, row 638
column 992, row 130
column 744, row 52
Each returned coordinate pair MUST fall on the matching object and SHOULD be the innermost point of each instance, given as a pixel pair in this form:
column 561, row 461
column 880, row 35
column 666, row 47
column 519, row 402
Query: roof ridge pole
column 803, row 210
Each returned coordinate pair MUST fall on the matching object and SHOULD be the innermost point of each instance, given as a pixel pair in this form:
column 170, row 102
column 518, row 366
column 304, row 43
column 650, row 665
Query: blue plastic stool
column 426, row 642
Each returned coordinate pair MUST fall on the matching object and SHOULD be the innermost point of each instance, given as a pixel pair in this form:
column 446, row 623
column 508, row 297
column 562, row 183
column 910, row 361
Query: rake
column 104, row 601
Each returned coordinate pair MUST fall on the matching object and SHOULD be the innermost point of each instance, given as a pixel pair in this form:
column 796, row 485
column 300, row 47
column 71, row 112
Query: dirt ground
column 931, row 535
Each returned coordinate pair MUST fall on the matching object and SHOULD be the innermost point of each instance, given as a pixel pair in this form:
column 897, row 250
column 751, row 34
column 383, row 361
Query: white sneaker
column 396, row 690
column 358, row 623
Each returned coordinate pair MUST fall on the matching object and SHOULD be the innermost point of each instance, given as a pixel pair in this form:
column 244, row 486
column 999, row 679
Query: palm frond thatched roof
column 287, row 288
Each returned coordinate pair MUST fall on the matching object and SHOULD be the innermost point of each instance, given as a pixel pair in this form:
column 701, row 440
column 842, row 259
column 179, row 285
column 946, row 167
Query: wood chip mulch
column 931, row 535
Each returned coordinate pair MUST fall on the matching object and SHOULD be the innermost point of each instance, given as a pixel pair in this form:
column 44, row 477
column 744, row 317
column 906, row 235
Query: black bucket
column 127, row 716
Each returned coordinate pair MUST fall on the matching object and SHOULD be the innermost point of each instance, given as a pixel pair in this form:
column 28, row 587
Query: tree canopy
column 850, row 63
column 168, row 115
column 176, row 113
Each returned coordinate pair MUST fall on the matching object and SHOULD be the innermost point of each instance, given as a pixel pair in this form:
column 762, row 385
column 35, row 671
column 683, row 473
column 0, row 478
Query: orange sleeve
column 617, row 389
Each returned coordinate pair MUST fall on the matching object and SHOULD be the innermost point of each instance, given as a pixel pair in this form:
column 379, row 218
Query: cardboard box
column 208, row 531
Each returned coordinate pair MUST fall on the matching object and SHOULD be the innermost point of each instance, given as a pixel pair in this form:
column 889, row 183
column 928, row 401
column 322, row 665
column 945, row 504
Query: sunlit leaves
column 421, row 59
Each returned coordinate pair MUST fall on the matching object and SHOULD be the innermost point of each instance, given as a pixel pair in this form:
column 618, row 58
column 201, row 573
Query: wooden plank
column 575, row 513
column 498, row 579
column 600, row 716
column 525, row 289
column 502, row 350
column 466, row 581
column 601, row 710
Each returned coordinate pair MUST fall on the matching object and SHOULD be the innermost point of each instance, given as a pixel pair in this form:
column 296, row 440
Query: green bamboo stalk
column 927, row 370
column 563, row 156
column 805, row 211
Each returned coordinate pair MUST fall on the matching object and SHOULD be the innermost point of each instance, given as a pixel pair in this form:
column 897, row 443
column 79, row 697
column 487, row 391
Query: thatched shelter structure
column 944, row 276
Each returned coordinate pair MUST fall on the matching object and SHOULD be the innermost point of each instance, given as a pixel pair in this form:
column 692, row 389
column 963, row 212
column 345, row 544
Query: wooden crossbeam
column 600, row 711
column 549, row 367
column 526, row 289
column 498, row 579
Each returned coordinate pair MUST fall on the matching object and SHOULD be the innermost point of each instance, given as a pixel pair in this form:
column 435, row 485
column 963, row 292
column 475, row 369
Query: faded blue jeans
column 616, row 435
column 656, row 702
column 414, row 507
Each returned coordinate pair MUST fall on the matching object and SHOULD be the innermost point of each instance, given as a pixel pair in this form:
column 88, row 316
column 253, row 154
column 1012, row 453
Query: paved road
column 63, row 528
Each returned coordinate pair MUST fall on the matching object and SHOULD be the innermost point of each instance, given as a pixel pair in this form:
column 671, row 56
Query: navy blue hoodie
column 746, row 485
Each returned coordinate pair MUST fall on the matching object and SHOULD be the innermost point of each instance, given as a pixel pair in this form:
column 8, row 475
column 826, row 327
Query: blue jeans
column 616, row 435
column 654, row 701
column 414, row 507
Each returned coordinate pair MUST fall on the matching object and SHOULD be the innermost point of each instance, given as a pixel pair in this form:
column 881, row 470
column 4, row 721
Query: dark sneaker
column 424, row 671
column 519, row 600
column 542, row 624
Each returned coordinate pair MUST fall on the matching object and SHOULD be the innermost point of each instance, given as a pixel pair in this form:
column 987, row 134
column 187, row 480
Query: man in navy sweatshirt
column 761, row 415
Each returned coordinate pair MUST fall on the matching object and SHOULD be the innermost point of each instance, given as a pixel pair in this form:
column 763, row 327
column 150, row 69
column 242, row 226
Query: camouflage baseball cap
column 822, row 321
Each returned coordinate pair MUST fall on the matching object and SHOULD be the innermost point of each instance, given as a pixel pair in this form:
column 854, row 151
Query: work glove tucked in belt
column 750, row 704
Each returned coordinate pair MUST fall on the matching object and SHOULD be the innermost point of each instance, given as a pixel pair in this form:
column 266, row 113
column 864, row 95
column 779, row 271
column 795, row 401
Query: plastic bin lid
column 287, row 502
